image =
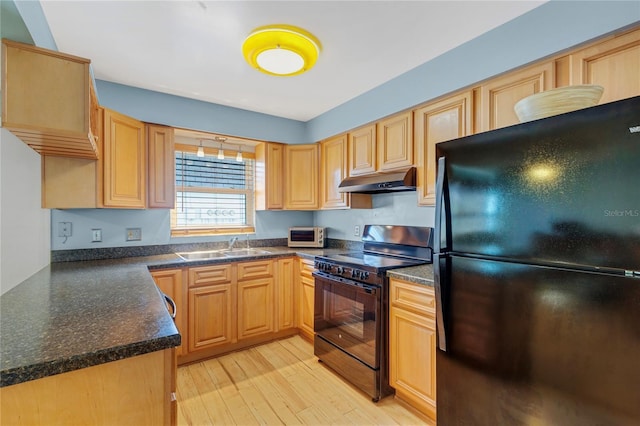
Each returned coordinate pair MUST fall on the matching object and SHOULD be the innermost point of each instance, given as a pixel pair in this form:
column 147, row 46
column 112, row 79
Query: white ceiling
column 193, row 48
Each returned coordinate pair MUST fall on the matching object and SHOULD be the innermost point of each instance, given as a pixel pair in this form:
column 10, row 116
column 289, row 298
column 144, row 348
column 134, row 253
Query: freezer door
column 565, row 189
column 538, row 345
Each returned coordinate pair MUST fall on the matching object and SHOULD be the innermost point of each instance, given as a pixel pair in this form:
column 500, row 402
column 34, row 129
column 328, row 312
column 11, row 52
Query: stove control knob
column 365, row 275
column 340, row 270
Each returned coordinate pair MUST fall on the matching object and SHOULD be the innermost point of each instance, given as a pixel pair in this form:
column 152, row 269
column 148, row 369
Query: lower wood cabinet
column 255, row 298
column 412, row 344
column 170, row 282
column 133, row 391
column 235, row 305
column 306, row 298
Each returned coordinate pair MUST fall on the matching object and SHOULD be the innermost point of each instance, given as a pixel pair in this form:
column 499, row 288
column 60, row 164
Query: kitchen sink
column 224, row 253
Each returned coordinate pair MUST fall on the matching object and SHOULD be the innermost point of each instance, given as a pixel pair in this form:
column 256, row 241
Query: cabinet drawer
column 259, row 269
column 207, row 275
column 306, row 268
column 413, row 297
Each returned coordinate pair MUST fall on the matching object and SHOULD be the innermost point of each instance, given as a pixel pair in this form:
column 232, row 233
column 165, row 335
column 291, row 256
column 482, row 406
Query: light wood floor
column 278, row 383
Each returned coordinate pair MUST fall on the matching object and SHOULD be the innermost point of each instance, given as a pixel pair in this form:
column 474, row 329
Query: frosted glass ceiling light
column 281, row 50
column 200, row 152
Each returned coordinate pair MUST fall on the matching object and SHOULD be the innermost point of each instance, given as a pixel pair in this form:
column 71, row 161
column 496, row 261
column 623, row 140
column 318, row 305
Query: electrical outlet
column 64, row 229
column 96, row 235
column 134, row 234
column 356, row 231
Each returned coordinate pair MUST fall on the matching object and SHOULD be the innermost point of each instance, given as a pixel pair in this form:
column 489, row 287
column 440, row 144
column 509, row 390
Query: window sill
column 200, row 232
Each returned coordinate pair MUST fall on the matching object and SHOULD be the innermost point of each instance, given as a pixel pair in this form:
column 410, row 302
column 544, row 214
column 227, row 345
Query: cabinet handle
column 174, row 309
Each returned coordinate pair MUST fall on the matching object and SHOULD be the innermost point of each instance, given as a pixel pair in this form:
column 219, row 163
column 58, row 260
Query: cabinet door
column 255, row 307
column 161, row 182
column 440, row 121
column 269, row 176
column 301, row 168
column 169, row 281
column 285, row 312
column 412, row 372
column 362, row 151
column 333, row 161
column 499, row 95
column 211, row 316
column 307, row 304
column 613, row 64
column 125, row 157
column 412, row 344
column 395, row 142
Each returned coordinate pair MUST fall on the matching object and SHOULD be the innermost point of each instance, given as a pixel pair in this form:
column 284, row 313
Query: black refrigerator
column 537, row 272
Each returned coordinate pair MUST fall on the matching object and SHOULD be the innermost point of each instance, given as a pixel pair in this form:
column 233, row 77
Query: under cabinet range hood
column 396, row 181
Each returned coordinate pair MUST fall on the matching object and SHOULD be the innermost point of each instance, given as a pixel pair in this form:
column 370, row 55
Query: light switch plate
column 134, row 234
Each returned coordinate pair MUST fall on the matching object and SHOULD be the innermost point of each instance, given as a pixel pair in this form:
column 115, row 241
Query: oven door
column 347, row 315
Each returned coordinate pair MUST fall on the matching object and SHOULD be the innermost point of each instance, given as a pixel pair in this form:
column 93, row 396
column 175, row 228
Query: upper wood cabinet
column 613, row 64
column 161, row 165
column 394, row 137
column 333, row 169
column 499, row 95
column 362, row 151
column 435, row 122
column 269, row 176
column 301, row 177
column 333, row 161
column 48, row 100
column 125, row 161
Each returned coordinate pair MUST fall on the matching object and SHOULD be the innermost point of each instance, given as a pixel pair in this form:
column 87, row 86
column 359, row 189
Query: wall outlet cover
column 64, row 229
column 134, row 234
column 356, row 231
column 96, row 235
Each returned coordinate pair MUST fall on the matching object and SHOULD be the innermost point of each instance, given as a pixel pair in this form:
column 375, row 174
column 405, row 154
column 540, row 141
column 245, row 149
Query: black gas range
column 351, row 302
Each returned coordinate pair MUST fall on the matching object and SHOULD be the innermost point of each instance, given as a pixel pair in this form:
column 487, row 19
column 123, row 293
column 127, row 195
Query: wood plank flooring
column 279, row 383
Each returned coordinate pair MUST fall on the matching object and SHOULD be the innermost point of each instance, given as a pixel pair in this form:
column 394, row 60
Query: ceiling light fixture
column 239, row 154
column 200, row 152
column 282, row 50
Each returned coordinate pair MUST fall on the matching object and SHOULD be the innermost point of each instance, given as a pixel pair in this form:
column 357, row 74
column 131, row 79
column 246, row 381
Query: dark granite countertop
column 72, row 315
column 421, row 274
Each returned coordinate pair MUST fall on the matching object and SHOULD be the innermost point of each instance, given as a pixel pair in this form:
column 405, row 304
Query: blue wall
column 546, row 30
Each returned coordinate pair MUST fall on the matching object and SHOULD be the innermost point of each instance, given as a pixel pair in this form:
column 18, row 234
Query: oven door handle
column 369, row 289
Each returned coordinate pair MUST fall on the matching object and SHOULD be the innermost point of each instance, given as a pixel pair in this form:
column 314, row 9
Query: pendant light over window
column 220, row 153
column 239, row 154
column 200, row 152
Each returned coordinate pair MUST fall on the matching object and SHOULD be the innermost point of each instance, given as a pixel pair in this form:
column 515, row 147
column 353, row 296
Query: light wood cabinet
column 306, row 298
column 613, row 63
column 211, row 307
column 161, row 165
column 48, row 100
column 412, row 344
column 170, row 282
column 435, row 122
column 285, row 294
column 499, row 95
column 137, row 390
column 394, row 137
column 125, row 161
column 363, row 153
column 301, row 177
column 333, row 169
column 256, row 288
column 269, row 176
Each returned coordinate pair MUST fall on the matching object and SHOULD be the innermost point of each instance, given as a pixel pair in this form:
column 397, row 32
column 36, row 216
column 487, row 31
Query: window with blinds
column 212, row 195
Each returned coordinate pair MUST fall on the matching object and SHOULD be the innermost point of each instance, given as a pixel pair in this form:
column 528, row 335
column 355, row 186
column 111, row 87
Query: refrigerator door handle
column 443, row 230
column 440, row 280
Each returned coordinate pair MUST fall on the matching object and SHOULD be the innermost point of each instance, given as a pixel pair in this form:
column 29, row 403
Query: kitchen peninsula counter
column 72, row 315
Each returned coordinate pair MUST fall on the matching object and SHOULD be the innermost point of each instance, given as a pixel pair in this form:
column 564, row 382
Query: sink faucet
column 232, row 241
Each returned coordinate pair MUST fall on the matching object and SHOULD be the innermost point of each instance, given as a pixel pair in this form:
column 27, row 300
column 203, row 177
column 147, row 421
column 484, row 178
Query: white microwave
column 311, row 236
